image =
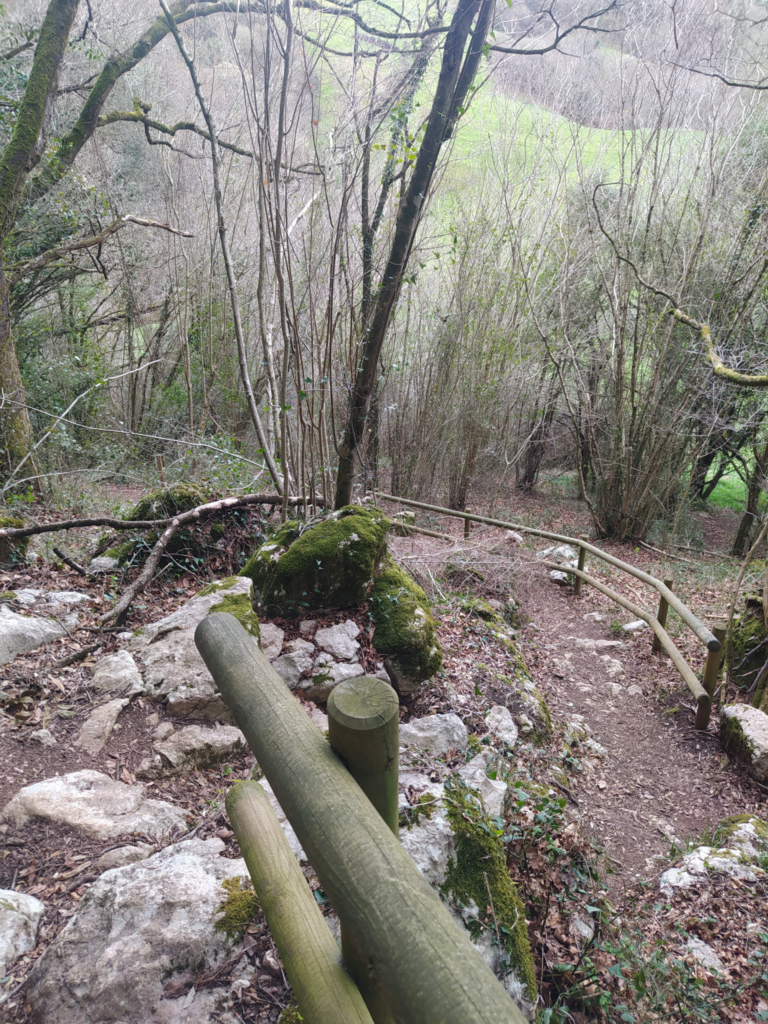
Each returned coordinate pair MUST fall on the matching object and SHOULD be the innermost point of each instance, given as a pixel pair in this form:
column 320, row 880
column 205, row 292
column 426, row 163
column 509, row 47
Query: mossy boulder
column 405, row 631
column 479, row 866
column 12, row 550
column 744, row 735
column 236, row 911
column 746, row 651
column 329, row 563
column 168, row 502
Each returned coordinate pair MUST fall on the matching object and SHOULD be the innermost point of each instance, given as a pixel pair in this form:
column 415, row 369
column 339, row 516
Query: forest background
column 221, row 306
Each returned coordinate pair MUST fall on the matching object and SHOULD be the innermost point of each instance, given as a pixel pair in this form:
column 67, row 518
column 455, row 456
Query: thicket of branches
column 512, row 226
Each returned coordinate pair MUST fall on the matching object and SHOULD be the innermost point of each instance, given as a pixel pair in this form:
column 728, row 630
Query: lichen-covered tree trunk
column 23, row 152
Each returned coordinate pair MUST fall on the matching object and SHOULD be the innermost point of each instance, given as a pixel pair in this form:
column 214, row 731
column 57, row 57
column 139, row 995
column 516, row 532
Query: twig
column 70, row 659
column 119, row 611
column 70, row 562
column 667, row 554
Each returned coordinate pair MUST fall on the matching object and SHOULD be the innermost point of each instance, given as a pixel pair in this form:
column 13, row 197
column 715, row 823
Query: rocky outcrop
column 139, row 933
column 327, row 564
column 742, row 840
column 193, row 747
column 117, row 673
column 436, row 734
column 95, row 804
column 744, row 734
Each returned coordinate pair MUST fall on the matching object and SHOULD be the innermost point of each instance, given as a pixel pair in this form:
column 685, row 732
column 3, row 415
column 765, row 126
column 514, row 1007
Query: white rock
column 744, row 733
column 593, row 617
column 576, row 730
column 195, row 746
column 304, row 648
column 559, row 553
column 340, row 640
column 20, row 634
column 307, row 625
column 271, row 639
column 635, row 627
column 493, row 791
column 27, row 596
column 635, row 690
column 745, row 837
column 436, row 733
column 98, row 727
column 705, row 860
column 429, row 841
column 94, row 803
column 501, row 726
column 704, row 954
column 44, row 737
column 117, row 673
column 162, row 732
column 595, row 748
column 103, row 564
column 557, row 576
column 613, row 666
column 587, row 644
column 120, row 857
column 381, row 673
column 328, row 674
column 319, row 718
column 135, row 928
column 19, row 919
column 174, row 670
column 68, row 598
column 291, row 667
column 290, row 835
column 582, row 927
column 615, row 689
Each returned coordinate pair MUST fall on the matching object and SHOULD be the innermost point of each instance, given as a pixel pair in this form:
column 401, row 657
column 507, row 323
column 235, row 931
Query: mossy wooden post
column 363, row 727
column 324, row 991
column 420, row 961
column 467, row 524
column 709, row 680
column 661, row 616
column 582, row 559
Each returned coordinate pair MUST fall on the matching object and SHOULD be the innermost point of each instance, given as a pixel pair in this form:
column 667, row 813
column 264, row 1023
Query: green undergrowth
column 478, row 883
column 236, row 911
column 12, row 551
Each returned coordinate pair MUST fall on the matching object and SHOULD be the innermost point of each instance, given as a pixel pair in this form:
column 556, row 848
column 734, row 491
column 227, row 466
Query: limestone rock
column 98, row 727
column 405, row 632
column 704, row 953
column 307, row 626
column 20, row 634
column 705, row 860
column 328, row 564
column 635, row 627
column 291, row 667
column 613, row 666
column 103, row 564
column 120, row 857
column 558, row 553
column 44, row 737
column 195, row 746
column 19, row 919
column 117, row 673
column 174, row 671
column 135, row 928
column 302, row 648
column 339, row 640
column 271, row 640
column 744, row 734
column 68, row 598
column 327, row 674
column 494, row 792
column 92, row 802
column 593, row 617
column 429, row 839
column 436, row 733
column 530, row 711
column 594, row 646
column 501, row 726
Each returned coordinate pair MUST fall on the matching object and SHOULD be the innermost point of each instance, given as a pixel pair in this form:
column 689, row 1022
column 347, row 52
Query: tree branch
column 583, row 25
column 757, row 380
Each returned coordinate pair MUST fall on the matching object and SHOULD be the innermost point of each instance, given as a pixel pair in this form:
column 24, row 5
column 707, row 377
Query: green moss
column 732, row 737
column 327, row 564
column 423, row 808
column 237, row 909
column 214, row 588
column 240, row 606
column 480, row 609
column 728, row 826
column 405, row 627
column 8, row 595
column 217, row 531
column 290, row 1015
column 480, row 856
column 167, row 503
column 12, row 549
column 747, row 633
column 529, row 701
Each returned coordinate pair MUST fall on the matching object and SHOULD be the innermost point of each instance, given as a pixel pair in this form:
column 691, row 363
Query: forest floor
column 661, row 788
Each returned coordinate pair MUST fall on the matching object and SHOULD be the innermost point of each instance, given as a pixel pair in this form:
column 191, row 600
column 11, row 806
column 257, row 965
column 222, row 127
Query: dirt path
column 662, row 781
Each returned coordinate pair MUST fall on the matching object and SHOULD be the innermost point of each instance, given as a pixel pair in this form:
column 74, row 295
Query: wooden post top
column 363, row 703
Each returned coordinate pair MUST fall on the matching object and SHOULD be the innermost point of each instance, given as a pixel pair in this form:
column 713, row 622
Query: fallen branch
column 148, row 524
column 120, row 610
column 70, row 562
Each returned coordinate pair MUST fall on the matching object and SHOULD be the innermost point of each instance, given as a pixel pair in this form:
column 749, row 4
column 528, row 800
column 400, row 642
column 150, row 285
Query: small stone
column 96, row 804
column 436, row 733
column 291, row 667
column 559, row 577
column 560, row 553
column 634, row 690
column 704, row 954
column 19, row 919
column 616, row 689
column 103, row 564
column 98, row 727
column 593, row 617
column 501, row 726
column 271, row 639
column 493, row 791
column 304, row 648
column 340, row 640
column 193, row 747
column 576, row 731
column 635, row 627
column 152, row 721
column 613, row 667
column 582, row 927
column 162, row 732
column 307, row 626
column 117, row 673
column 595, row 748
column 44, row 737
column 320, row 719
column 120, row 857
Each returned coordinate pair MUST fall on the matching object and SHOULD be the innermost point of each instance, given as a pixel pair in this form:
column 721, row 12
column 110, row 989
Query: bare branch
column 560, row 34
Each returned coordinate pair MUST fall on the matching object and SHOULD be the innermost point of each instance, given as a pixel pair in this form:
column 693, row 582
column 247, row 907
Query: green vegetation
column 236, row 911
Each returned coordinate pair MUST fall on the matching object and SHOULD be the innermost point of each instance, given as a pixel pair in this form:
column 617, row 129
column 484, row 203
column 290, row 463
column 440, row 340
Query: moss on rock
column 12, row 549
column 405, row 631
column 748, row 632
column 290, row 1015
column 326, row 564
column 236, row 911
column 480, row 866
column 169, row 502
column 241, row 607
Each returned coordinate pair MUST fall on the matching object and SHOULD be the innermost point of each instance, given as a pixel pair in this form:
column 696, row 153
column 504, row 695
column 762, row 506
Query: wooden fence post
column 582, row 559
column 709, row 681
column 661, row 616
column 467, row 525
column 324, row 991
column 423, row 965
column 364, row 730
